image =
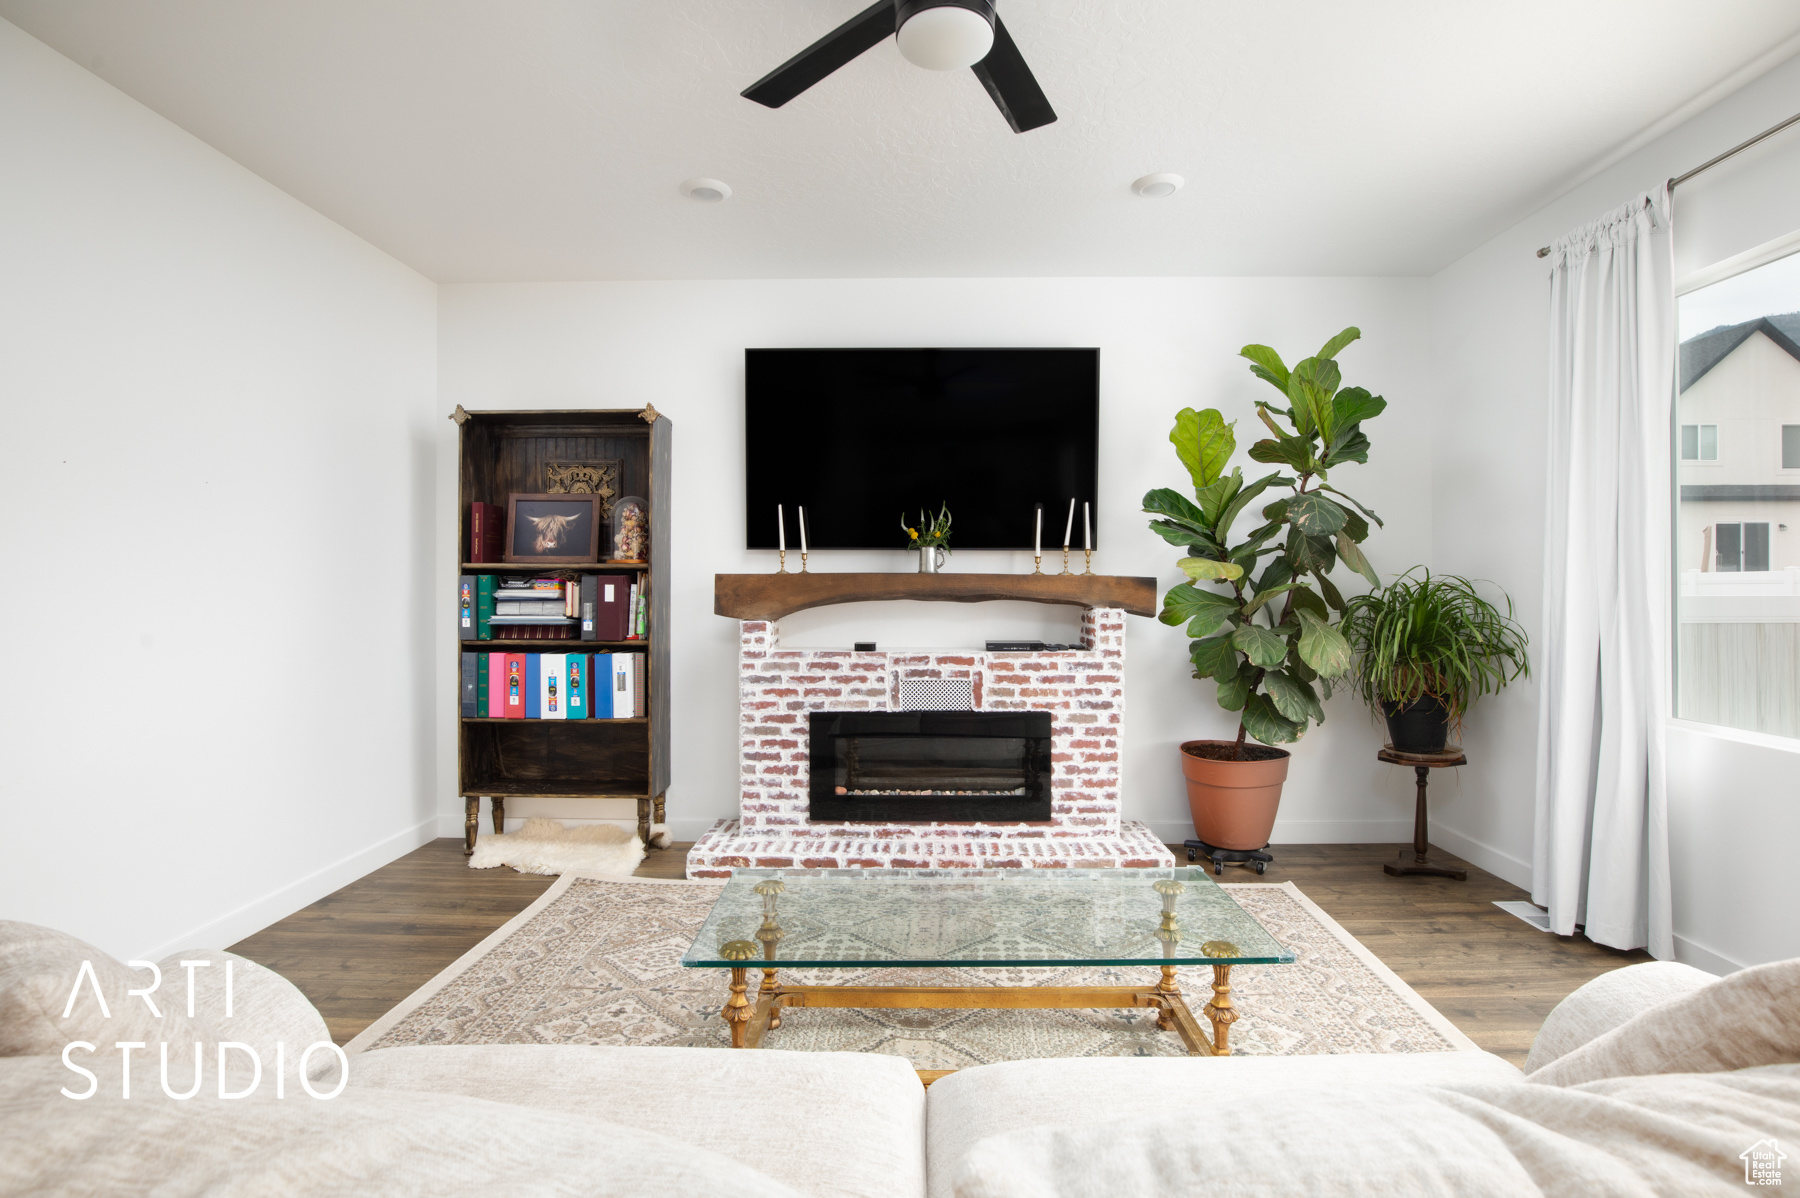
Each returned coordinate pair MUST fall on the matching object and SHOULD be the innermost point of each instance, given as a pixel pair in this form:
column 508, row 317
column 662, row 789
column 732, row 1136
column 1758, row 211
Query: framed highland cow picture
column 553, row 529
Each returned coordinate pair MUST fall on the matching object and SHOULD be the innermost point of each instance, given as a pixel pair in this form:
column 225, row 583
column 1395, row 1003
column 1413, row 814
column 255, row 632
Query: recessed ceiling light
column 707, row 191
column 1155, row 187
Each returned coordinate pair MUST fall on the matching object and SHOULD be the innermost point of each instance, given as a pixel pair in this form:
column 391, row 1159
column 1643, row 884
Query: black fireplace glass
column 916, row 767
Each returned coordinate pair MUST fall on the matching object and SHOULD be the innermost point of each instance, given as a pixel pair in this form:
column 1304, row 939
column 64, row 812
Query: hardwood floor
column 359, row 951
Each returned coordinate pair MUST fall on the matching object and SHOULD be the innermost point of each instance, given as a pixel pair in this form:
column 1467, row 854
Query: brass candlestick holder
column 783, row 569
column 1037, row 563
column 803, row 561
column 1089, row 555
column 1065, row 568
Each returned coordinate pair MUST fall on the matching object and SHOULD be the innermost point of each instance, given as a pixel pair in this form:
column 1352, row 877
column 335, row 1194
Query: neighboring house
column 1737, row 544
column 1739, row 446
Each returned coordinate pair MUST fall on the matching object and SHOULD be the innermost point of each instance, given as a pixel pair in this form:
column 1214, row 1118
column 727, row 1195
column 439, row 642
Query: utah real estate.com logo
column 1762, row 1163
column 225, row 1047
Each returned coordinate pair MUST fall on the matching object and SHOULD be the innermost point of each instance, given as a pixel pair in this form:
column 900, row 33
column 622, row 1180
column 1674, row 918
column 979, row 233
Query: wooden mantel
column 772, row 596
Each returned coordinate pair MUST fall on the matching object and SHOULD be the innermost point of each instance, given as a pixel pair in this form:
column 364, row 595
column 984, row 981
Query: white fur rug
column 543, row 846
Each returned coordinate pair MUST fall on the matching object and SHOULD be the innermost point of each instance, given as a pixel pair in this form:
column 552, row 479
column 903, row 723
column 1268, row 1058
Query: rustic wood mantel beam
column 772, row 596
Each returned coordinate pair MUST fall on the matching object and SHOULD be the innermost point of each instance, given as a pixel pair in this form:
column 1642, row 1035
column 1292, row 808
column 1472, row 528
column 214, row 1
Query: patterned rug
column 597, row 961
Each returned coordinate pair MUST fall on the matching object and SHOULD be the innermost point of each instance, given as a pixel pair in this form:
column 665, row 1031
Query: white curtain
column 1601, row 857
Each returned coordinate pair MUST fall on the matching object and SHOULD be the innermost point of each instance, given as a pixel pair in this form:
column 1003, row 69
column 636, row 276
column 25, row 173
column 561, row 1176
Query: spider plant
column 1432, row 636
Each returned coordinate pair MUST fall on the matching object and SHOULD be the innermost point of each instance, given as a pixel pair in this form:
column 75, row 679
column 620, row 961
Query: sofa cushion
column 1749, row 1018
column 826, row 1123
column 1677, row 1135
column 40, row 968
column 390, row 1143
column 266, row 1010
column 974, row 1104
column 1608, row 1001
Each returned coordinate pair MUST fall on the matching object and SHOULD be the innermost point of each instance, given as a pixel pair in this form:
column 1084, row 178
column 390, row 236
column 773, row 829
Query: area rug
column 597, row 961
column 544, row 846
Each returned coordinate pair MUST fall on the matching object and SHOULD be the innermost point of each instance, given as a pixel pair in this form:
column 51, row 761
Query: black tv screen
column 864, row 438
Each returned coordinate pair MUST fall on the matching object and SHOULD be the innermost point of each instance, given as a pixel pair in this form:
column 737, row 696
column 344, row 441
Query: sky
column 1769, row 290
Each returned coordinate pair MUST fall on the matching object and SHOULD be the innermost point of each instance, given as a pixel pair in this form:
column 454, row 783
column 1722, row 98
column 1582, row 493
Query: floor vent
column 1531, row 913
column 937, row 694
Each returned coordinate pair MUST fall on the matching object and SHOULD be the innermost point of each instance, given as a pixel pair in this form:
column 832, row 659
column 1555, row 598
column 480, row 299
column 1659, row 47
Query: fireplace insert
column 917, row 767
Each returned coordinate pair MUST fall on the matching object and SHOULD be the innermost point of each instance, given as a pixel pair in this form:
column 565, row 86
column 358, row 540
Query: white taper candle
column 781, row 526
column 1037, row 536
column 1087, row 531
column 1069, row 524
column 802, row 530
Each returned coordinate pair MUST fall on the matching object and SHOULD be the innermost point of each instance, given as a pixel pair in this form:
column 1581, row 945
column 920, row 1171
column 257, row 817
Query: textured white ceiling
column 544, row 139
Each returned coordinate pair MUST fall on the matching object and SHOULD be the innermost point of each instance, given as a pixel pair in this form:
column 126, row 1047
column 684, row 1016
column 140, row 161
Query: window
column 1737, row 515
column 1741, row 547
column 1699, row 442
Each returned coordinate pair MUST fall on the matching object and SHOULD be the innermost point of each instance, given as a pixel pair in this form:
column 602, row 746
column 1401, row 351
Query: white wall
column 1165, row 344
column 1489, row 368
column 218, row 447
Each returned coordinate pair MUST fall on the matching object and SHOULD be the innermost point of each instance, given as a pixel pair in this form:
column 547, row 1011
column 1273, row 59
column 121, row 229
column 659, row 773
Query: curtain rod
column 1678, row 180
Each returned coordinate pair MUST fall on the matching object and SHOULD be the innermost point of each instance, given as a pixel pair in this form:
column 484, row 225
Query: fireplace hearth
column 922, row 767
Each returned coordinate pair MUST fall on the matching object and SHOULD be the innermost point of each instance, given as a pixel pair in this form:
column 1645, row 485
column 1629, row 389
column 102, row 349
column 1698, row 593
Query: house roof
column 1700, row 354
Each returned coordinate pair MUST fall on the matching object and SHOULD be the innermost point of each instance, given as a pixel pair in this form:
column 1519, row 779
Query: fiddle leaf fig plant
column 1263, row 614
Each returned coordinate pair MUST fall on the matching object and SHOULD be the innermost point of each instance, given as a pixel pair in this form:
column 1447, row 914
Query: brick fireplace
column 1082, row 689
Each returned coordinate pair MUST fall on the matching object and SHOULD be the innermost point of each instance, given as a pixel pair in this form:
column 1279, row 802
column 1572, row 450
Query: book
column 586, row 604
column 483, row 663
column 487, row 532
column 631, row 614
column 504, row 605
column 515, row 686
column 468, row 684
column 643, row 612
column 611, row 595
column 575, row 676
column 465, row 608
column 484, row 607
column 553, row 688
column 640, row 690
column 536, row 588
column 534, row 687
column 600, row 705
column 496, row 708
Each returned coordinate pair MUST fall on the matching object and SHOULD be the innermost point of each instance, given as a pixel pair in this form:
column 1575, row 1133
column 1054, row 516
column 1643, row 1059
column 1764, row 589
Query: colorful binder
column 465, row 608
column 496, row 708
column 482, row 664
column 534, row 687
column 553, row 689
column 601, row 705
column 514, row 690
column 624, row 696
column 580, row 690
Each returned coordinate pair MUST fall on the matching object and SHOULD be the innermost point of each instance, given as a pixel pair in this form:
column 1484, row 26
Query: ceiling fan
column 940, row 35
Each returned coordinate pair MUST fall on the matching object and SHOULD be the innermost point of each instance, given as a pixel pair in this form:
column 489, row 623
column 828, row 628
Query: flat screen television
column 865, row 438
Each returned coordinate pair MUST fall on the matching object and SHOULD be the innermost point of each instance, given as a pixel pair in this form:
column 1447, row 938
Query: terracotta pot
column 1233, row 802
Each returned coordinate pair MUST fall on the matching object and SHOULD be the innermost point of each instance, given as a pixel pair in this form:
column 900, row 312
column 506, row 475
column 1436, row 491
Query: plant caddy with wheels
column 1261, row 612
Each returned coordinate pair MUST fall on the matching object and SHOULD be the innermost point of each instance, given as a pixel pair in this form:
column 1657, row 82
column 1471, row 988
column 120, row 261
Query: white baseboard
column 680, row 829
column 1700, row 957
column 1306, row 831
column 1500, row 864
column 258, row 914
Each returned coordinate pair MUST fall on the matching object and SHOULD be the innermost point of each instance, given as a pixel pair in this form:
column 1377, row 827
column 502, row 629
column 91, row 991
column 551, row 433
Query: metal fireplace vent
column 937, row 694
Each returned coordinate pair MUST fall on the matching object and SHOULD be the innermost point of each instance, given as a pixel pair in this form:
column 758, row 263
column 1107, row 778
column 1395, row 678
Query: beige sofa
column 1644, row 1081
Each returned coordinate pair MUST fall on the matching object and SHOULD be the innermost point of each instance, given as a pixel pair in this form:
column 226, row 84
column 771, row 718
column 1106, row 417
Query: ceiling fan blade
column 1004, row 73
column 859, row 33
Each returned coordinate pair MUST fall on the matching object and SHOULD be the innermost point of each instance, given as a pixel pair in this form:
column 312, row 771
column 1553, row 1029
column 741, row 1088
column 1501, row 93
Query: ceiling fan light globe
column 947, row 37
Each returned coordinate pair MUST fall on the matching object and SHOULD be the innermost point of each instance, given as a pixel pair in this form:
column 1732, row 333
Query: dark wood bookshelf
column 502, row 453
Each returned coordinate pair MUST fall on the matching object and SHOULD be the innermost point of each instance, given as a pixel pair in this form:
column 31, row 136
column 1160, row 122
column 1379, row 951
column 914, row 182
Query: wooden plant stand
column 1421, row 863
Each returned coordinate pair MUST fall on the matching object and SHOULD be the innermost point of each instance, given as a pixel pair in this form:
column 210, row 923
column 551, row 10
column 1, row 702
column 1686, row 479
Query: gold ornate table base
column 750, row 1020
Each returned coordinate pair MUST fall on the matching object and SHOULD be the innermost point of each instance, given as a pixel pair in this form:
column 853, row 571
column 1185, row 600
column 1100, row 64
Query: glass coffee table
column 774, row 919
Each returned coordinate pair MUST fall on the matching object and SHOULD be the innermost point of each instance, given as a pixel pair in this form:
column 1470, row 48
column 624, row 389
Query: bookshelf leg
column 656, row 815
column 471, row 822
column 499, row 804
column 644, row 820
